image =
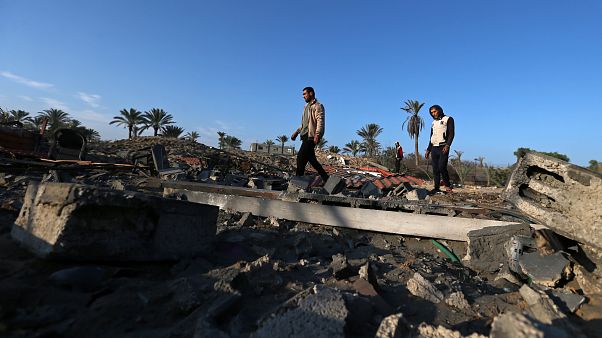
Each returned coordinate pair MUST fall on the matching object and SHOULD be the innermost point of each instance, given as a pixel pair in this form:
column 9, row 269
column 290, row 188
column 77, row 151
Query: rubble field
column 95, row 249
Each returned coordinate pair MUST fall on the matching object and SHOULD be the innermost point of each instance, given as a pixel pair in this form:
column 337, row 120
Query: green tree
column 221, row 135
column 413, row 123
column 282, row 139
column 232, row 142
column 19, row 116
column 192, row 136
column 593, row 165
column 269, row 143
column 128, row 119
column 334, row 149
column 156, row 118
column 4, row 115
column 56, row 119
column 90, row 134
column 172, row 131
column 354, row 147
column 322, row 143
column 520, row 152
column 481, row 160
column 369, row 133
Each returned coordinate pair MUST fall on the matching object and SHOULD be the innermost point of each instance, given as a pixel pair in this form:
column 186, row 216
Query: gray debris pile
column 195, row 242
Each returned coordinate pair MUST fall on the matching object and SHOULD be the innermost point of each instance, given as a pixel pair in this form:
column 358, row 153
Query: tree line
column 156, row 119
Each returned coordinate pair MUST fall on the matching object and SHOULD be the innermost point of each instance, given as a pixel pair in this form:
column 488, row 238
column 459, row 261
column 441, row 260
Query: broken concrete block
column 590, row 283
column 430, row 331
column 340, row 267
column 457, row 300
column 545, row 270
column 299, row 183
column 564, row 197
column 515, row 248
column 417, row 194
column 517, row 325
column 567, row 300
column 486, row 247
column 393, row 326
column 246, row 220
column 420, row 287
column 322, row 313
column 334, row 185
column 79, row 222
column 541, row 307
column 370, row 189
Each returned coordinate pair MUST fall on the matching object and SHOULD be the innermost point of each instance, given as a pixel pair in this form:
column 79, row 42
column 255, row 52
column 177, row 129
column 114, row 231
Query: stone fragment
column 321, row 314
column 420, row 287
column 545, row 270
column 416, row 194
column 564, row 197
column 393, row 326
column 340, row 267
column 430, row 331
column 516, row 325
column 78, row 222
column 334, row 185
column 486, row 247
column 370, row 189
column 541, row 307
column 299, row 183
column 568, row 300
column 246, row 220
column 457, row 300
column 590, row 283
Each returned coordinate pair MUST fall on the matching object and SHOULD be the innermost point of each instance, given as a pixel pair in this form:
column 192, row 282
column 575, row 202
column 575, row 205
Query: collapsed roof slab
column 402, row 223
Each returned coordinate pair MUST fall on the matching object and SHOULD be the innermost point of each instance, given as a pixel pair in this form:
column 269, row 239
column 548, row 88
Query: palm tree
column 369, row 133
column 221, row 135
column 19, row 116
column 172, row 131
column 269, row 143
column 192, row 136
column 156, row 118
column 282, row 139
column 415, row 123
column 90, row 134
column 232, row 142
column 322, row 143
column 56, row 118
column 354, row 147
column 480, row 159
column 334, row 149
column 128, row 119
column 36, row 122
column 4, row 115
column 73, row 123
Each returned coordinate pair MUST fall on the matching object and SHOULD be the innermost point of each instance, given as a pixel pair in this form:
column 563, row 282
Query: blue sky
column 511, row 73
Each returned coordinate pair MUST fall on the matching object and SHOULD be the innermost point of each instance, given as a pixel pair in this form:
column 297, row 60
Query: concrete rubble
column 119, row 246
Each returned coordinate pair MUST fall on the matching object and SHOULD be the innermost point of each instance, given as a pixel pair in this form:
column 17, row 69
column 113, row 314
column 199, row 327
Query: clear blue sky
column 511, row 73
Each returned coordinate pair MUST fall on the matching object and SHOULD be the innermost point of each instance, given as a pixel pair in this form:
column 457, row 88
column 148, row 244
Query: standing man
column 398, row 157
column 311, row 131
column 442, row 136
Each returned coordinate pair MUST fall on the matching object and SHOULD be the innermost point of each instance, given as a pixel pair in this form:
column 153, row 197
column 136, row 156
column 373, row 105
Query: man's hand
column 294, row 136
column 426, row 154
column 445, row 149
column 316, row 139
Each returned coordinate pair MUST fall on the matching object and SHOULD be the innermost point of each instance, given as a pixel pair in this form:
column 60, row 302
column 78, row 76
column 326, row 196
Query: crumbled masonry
column 155, row 237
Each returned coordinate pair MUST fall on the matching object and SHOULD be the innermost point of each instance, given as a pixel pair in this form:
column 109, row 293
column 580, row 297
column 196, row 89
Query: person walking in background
column 442, row 136
column 311, row 131
column 398, row 158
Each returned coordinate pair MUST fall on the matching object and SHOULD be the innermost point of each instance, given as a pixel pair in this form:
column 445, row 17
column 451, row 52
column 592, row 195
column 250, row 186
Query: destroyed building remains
column 160, row 237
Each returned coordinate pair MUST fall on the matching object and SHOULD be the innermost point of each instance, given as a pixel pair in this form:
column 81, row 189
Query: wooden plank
column 442, row 227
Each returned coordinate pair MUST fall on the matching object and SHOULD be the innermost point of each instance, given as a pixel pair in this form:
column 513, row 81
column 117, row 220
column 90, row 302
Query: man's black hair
column 310, row 90
column 438, row 107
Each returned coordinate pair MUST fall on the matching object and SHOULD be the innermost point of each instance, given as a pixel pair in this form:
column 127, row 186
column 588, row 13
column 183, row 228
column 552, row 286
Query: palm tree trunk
column 282, row 147
column 129, row 132
column 156, row 130
column 416, row 148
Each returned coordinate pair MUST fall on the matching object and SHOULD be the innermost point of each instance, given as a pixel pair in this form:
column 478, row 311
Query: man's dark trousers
column 440, row 166
column 306, row 154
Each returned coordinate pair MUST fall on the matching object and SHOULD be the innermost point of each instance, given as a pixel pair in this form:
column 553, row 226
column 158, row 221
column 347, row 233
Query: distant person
column 398, row 158
column 442, row 136
column 311, row 131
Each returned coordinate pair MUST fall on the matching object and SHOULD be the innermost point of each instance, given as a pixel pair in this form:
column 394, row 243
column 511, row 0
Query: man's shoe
column 434, row 191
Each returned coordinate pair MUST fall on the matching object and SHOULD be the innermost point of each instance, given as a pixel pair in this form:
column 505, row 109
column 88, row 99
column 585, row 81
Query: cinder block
column 334, row 185
column 79, row 222
column 564, row 197
column 370, row 189
column 297, row 183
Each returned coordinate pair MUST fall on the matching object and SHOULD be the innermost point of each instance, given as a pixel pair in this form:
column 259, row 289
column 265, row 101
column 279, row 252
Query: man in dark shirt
column 442, row 136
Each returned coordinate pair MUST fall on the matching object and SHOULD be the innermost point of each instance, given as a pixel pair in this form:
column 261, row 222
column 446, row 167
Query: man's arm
column 320, row 120
column 449, row 135
column 428, row 149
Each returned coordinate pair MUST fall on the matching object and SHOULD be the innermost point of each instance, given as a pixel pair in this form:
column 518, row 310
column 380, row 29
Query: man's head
column 397, row 144
column 308, row 94
column 436, row 111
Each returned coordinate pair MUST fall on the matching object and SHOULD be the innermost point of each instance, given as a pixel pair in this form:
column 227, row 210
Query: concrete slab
column 79, row 222
column 562, row 196
column 334, row 185
column 545, row 270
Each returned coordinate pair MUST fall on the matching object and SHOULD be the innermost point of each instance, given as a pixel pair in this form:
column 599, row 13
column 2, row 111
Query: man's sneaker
column 435, row 191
